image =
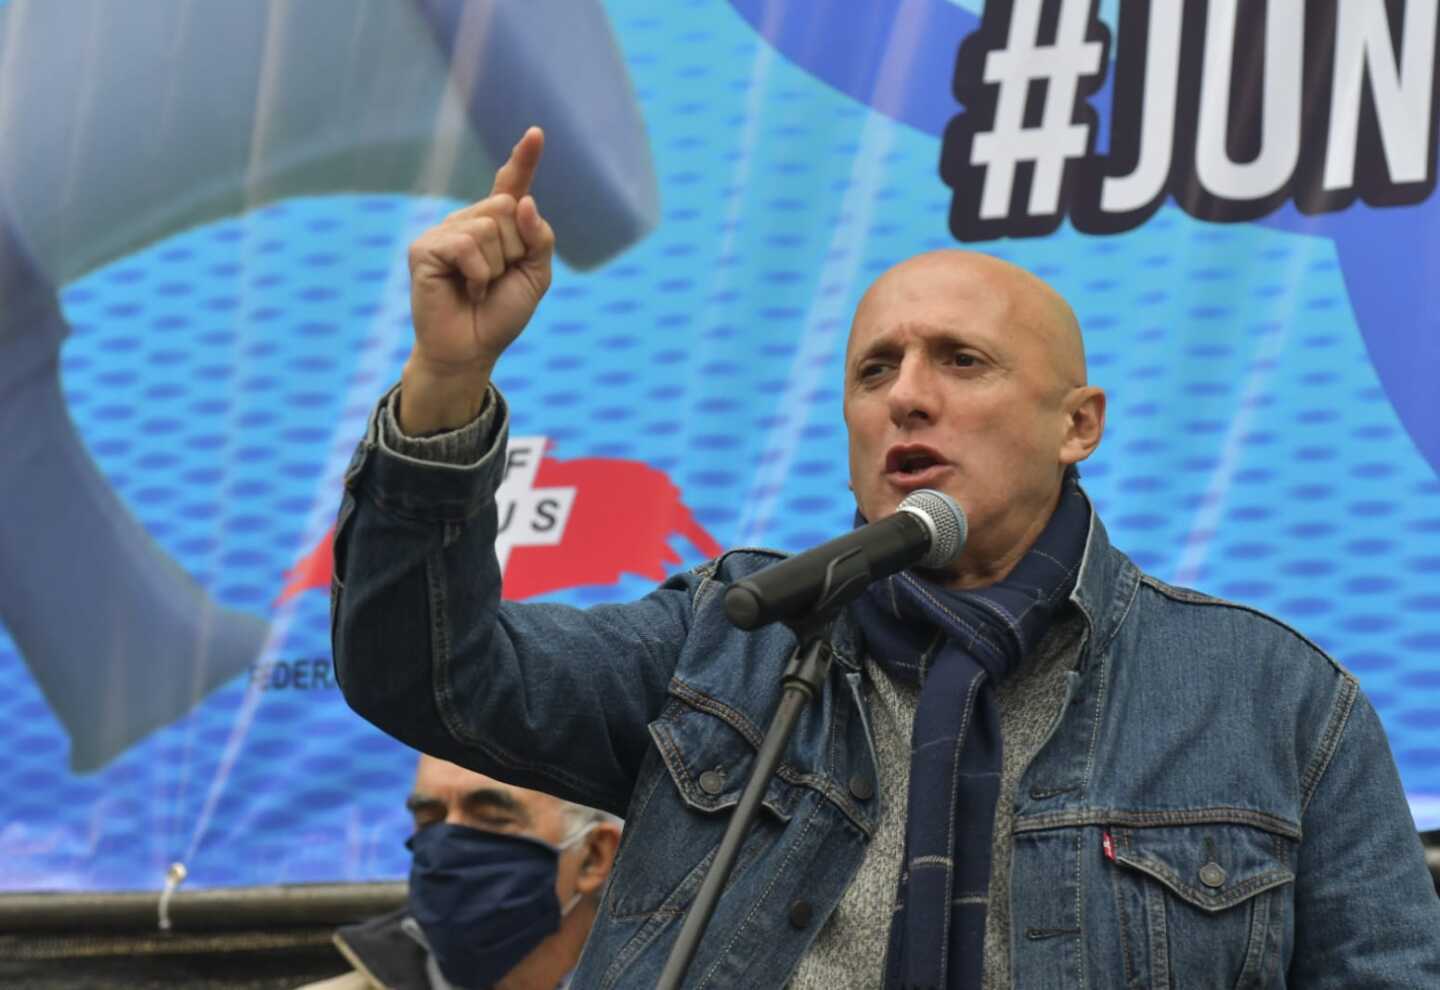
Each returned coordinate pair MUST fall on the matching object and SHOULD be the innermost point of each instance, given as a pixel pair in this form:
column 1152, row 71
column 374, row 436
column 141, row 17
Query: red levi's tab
column 1108, row 845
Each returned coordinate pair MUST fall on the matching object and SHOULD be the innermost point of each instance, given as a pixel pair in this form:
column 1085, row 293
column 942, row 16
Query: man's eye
column 964, row 360
column 493, row 823
column 870, row 371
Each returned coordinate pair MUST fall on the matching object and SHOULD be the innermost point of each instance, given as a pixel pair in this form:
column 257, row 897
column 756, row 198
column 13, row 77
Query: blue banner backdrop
column 204, row 209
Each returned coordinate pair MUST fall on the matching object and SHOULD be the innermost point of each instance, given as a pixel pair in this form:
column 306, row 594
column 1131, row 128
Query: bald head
column 966, row 374
column 1026, row 303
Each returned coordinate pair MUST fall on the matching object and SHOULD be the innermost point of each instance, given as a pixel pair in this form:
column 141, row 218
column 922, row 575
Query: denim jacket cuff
column 446, row 478
column 462, row 446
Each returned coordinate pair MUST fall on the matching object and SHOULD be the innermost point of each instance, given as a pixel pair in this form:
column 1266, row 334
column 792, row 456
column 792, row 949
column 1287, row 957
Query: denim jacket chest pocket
column 689, row 786
column 801, row 847
column 1201, row 905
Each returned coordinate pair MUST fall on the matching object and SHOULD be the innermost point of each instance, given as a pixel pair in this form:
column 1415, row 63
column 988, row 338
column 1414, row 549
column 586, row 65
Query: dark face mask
column 483, row 899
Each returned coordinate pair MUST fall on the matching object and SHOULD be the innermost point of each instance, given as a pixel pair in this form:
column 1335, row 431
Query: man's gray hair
column 579, row 816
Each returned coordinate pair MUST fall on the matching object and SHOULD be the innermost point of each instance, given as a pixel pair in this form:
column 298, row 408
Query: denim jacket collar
column 1105, row 589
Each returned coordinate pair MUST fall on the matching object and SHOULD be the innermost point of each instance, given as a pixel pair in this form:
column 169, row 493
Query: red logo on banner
column 566, row 523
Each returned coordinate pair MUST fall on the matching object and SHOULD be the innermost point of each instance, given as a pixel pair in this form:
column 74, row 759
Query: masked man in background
column 504, row 886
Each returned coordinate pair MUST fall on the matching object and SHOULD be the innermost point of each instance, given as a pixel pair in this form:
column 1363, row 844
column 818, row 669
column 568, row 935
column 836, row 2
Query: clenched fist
column 475, row 280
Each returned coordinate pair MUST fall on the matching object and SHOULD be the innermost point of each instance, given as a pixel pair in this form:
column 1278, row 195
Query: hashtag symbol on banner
column 1025, row 107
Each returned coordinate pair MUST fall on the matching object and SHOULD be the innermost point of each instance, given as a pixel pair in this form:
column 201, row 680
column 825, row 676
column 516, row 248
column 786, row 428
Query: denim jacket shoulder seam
column 1335, row 727
column 1344, row 698
column 1189, row 596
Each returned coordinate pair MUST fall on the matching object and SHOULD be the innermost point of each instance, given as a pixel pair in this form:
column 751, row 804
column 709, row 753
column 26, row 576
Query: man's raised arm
column 544, row 696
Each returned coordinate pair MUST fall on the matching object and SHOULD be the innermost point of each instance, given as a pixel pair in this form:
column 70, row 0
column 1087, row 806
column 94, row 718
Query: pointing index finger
column 517, row 173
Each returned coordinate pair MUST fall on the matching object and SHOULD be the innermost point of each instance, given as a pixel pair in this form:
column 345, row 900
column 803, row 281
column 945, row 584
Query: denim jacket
column 1215, row 805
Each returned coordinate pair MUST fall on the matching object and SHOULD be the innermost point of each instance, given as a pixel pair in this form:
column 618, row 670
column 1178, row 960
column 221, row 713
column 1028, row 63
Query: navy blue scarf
column 956, row 646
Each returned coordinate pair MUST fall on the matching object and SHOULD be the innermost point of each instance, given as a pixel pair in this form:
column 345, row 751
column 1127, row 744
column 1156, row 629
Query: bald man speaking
column 1038, row 767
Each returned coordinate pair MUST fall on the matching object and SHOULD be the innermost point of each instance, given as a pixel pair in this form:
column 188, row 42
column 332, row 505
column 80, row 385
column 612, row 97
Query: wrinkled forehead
column 936, row 294
column 447, row 781
column 976, row 299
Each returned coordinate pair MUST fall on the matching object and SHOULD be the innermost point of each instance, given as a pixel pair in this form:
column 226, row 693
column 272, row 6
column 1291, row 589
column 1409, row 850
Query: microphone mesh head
column 943, row 516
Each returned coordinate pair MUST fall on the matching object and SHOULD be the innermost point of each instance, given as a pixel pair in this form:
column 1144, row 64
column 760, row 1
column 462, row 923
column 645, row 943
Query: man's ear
column 600, row 846
column 1084, row 423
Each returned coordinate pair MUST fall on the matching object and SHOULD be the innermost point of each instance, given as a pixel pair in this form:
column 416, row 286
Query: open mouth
column 911, row 461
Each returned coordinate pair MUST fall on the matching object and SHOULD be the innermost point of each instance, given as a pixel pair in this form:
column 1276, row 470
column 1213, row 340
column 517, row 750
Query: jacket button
column 712, row 782
column 861, row 788
column 1212, row 875
column 800, row 913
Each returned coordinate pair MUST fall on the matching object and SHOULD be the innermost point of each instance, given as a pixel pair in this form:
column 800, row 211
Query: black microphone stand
column 802, row 682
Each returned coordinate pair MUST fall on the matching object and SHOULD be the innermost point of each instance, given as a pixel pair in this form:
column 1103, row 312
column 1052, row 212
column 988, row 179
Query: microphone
column 927, row 530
